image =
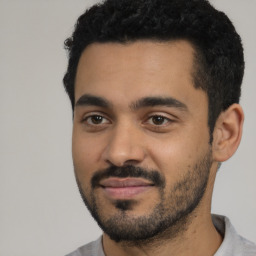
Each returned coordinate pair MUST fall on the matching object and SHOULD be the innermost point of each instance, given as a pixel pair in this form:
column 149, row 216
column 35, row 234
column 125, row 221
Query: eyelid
column 167, row 124
column 94, row 113
column 162, row 114
column 166, row 119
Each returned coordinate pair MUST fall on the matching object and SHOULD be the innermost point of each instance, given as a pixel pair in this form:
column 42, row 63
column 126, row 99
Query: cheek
column 177, row 153
column 85, row 152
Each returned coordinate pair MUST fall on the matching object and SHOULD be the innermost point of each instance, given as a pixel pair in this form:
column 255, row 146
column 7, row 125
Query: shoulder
column 233, row 243
column 248, row 248
column 91, row 249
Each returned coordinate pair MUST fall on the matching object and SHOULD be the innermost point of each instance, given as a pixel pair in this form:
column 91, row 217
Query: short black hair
column 219, row 60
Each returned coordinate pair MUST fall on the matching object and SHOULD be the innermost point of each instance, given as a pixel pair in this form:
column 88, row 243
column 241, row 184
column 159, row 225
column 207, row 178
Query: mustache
column 128, row 171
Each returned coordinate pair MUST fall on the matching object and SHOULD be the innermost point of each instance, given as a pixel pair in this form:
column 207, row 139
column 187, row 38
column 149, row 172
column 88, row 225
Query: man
column 155, row 87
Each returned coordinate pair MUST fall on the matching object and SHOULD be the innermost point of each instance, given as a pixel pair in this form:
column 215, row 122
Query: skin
column 130, row 136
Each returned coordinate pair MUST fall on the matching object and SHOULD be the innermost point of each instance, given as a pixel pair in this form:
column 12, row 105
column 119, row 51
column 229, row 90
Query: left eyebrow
column 158, row 101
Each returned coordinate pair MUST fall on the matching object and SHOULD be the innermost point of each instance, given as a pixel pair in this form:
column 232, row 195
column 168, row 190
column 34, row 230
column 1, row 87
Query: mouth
column 125, row 188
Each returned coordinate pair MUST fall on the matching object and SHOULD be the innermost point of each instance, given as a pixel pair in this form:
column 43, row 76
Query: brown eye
column 96, row 120
column 158, row 120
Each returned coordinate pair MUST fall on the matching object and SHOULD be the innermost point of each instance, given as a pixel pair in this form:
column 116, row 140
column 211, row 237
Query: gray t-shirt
column 232, row 245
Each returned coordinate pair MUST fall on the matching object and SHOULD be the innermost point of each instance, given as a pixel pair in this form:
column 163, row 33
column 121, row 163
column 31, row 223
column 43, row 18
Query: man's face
column 140, row 138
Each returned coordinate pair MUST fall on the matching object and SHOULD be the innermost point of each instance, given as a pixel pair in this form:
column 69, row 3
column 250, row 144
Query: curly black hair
column 219, row 60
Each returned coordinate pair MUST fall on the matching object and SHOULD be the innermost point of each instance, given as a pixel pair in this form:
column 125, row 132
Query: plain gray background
column 41, row 212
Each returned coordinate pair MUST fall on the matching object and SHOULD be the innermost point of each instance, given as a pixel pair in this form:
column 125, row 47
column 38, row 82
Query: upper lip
column 124, row 182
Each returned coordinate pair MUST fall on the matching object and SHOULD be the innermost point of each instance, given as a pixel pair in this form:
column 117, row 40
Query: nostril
column 122, row 163
column 123, row 150
column 131, row 162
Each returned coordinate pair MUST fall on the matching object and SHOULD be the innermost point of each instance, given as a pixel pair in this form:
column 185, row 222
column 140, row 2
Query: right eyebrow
column 90, row 100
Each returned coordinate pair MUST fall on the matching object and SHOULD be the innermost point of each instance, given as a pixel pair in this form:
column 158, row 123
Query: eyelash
column 89, row 123
column 85, row 119
column 166, row 119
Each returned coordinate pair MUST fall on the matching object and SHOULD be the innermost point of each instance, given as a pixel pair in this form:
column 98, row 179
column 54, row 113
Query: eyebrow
column 91, row 100
column 158, row 101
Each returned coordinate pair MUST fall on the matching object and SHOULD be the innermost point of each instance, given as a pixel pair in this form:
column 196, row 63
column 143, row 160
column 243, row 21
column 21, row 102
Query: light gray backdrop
column 41, row 212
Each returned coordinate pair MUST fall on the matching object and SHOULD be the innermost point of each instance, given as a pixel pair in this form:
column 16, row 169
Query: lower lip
column 125, row 192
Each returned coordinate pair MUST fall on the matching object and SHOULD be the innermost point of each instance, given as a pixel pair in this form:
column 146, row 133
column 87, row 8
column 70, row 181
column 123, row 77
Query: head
column 218, row 59
column 153, row 86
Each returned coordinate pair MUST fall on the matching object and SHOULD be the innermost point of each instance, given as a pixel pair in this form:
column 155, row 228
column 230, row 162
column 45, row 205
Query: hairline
column 197, row 63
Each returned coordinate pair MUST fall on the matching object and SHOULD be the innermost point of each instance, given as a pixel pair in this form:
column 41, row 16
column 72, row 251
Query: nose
column 124, row 146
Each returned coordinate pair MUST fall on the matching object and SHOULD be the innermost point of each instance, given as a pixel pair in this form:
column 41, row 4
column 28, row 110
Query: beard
column 170, row 215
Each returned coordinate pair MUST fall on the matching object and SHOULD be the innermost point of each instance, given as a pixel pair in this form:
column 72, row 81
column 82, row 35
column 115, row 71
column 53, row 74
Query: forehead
column 123, row 72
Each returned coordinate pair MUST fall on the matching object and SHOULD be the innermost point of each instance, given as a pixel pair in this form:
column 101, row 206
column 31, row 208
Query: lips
column 124, row 188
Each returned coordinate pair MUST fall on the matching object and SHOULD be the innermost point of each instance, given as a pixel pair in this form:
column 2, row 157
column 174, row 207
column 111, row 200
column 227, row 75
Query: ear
column 227, row 133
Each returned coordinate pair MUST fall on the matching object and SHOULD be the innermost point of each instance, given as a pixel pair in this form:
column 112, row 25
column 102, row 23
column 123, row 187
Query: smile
column 127, row 188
